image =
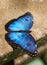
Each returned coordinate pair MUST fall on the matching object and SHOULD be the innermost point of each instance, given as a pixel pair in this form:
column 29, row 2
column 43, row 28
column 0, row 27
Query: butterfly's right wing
column 24, row 40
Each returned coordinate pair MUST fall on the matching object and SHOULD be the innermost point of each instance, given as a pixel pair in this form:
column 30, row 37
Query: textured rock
column 10, row 9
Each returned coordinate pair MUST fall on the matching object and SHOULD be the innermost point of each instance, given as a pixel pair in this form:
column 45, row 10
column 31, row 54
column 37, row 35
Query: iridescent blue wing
column 24, row 40
column 24, row 22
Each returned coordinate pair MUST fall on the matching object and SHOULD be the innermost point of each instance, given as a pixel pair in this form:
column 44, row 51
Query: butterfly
column 18, row 33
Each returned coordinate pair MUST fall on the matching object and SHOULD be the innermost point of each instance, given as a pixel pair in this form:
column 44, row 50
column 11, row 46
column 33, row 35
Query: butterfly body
column 19, row 33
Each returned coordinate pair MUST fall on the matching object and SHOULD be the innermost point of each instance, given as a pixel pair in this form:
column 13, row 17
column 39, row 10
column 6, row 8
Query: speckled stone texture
column 10, row 9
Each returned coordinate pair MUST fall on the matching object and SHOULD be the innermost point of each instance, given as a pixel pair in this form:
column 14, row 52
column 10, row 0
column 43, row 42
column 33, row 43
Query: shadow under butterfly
column 18, row 33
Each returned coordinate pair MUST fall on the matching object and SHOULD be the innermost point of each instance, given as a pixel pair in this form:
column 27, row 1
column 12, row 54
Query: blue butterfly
column 18, row 33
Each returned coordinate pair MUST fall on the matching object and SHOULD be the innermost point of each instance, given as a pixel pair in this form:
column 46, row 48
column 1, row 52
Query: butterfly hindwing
column 24, row 22
column 24, row 40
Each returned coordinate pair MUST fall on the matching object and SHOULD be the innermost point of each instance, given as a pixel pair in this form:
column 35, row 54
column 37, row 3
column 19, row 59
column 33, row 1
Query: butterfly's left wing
column 24, row 22
column 24, row 40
